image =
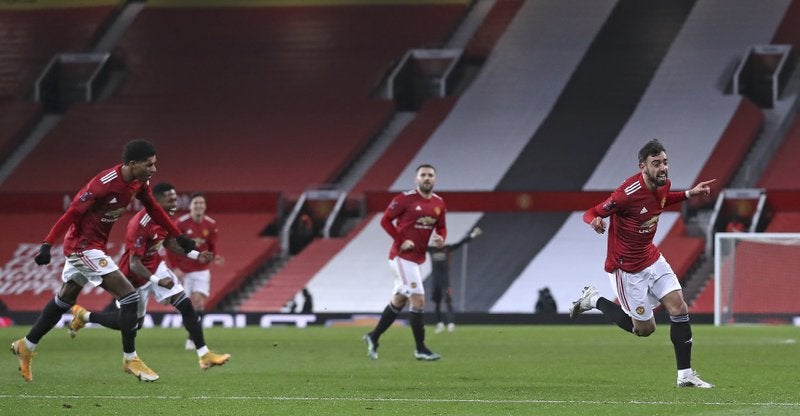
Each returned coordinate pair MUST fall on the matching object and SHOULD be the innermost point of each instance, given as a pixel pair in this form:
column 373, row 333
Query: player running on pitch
column 639, row 274
column 148, row 273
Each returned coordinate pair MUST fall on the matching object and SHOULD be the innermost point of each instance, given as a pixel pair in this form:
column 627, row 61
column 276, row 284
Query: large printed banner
column 26, row 286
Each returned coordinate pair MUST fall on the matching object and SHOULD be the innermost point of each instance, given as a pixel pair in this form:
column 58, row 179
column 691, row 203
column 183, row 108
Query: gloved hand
column 44, row 255
column 186, row 243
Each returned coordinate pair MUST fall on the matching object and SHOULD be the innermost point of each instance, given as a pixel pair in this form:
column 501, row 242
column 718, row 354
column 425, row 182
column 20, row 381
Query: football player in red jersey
column 87, row 224
column 413, row 219
column 196, row 276
column 147, row 271
column 640, row 276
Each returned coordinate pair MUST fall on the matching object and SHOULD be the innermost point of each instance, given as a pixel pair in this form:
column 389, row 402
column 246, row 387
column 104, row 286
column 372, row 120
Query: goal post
column 756, row 278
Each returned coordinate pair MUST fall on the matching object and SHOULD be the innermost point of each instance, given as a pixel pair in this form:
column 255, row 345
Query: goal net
column 756, row 278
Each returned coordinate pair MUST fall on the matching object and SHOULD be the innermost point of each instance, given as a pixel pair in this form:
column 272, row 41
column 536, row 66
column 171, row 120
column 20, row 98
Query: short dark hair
column 161, row 188
column 651, row 148
column 137, row 150
column 197, row 194
column 425, row 165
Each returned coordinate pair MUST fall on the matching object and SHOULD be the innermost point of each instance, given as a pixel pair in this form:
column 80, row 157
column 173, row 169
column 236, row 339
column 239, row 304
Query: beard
column 653, row 178
column 426, row 187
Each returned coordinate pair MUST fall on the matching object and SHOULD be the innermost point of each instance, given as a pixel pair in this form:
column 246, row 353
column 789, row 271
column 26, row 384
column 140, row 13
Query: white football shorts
column 407, row 277
column 88, row 267
column 197, row 282
column 161, row 294
column 639, row 293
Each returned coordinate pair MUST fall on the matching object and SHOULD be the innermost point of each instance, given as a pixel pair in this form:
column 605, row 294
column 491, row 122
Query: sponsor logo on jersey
column 113, row 200
column 609, row 205
column 419, row 208
column 649, row 226
column 112, row 216
column 643, row 211
column 426, row 220
column 85, row 196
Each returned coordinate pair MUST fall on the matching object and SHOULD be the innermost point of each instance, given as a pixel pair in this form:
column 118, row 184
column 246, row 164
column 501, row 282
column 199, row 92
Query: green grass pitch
column 485, row 370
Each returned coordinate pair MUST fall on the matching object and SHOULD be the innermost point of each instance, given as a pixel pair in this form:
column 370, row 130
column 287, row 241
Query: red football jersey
column 416, row 218
column 143, row 238
column 634, row 212
column 97, row 206
column 204, row 233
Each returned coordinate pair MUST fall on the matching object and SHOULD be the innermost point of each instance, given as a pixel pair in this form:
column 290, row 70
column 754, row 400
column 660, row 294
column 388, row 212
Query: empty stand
column 17, row 117
column 782, row 171
column 31, row 37
column 491, row 29
column 405, row 145
column 283, row 91
column 283, row 286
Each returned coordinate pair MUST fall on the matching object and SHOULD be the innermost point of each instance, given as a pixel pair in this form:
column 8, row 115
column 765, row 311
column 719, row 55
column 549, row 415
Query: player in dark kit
column 640, row 276
column 87, row 224
column 440, row 273
column 413, row 219
column 147, row 271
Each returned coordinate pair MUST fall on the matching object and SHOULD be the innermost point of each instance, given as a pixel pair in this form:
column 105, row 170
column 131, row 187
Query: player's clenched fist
column 44, row 255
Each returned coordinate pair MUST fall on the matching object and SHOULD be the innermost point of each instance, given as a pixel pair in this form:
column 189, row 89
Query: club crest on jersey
column 413, row 285
column 437, row 210
column 103, row 262
column 640, row 310
column 205, row 233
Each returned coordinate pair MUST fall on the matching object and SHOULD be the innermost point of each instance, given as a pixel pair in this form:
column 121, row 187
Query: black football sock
column 387, row 319
column 680, row 332
column 615, row 313
column 418, row 329
column 107, row 319
column 199, row 313
column 191, row 321
column 128, row 305
column 49, row 317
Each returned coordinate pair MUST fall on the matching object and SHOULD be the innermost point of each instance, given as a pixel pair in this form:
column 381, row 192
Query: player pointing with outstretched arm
column 412, row 219
column 639, row 274
column 87, row 224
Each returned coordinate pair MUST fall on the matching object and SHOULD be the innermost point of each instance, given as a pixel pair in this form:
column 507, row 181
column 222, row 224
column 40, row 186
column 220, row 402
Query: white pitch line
column 391, row 399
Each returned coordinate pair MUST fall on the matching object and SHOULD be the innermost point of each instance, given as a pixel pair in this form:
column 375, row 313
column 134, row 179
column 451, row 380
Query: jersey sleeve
column 673, row 197
column 81, row 204
column 441, row 223
column 156, row 212
column 604, row 209
column 393, row 211
column 136, row 238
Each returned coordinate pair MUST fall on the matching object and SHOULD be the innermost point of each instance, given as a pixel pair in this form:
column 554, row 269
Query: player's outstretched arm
column 701, row 188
